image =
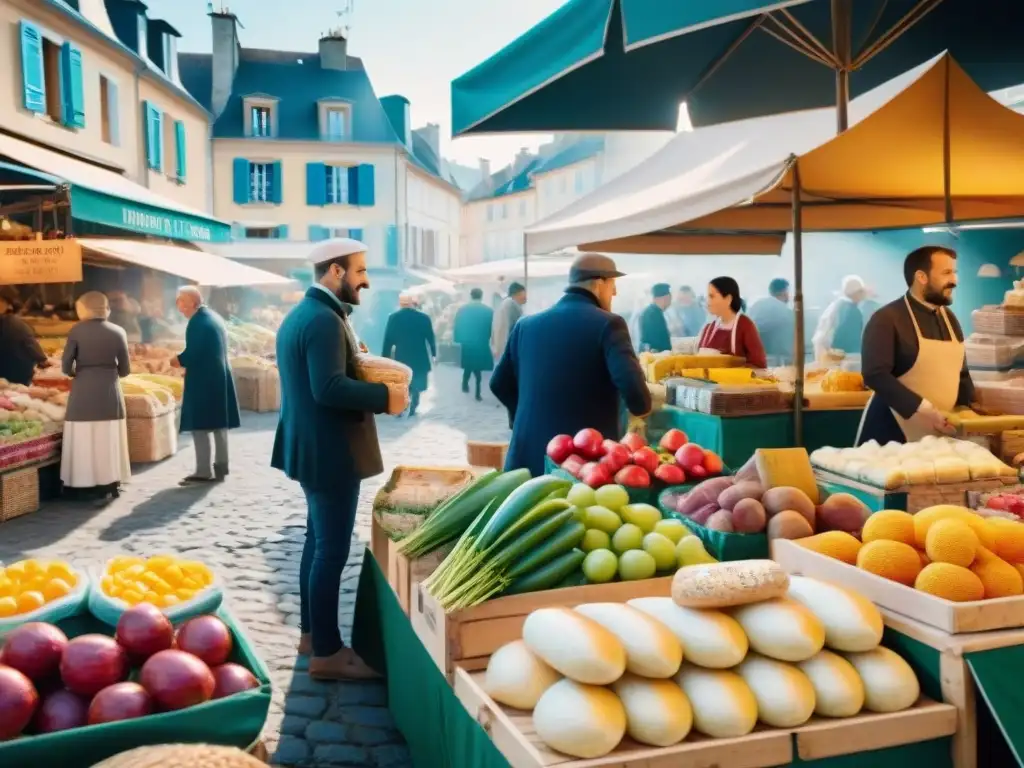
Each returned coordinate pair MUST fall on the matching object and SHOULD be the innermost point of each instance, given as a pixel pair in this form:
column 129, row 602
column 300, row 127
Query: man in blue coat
column 654, row 335
column 209, row 407
column 472, row 333
column 566, row 368
column 327, row 441
column 409, row 339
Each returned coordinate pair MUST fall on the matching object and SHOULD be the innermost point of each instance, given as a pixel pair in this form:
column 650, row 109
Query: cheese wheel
column 781, row 629
column 585, row 721
column 516, row 677
column 723, row 704
column 721, row 585
column 890, row 685
column 657, row 711
column 838, row 690
column 651, row 649
column 710, row 638
column 851, row 621
column 785, row 697
column 578, row 647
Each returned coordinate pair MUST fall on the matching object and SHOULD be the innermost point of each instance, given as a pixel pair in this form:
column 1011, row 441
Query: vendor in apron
column 731, row 332
column 913, row 356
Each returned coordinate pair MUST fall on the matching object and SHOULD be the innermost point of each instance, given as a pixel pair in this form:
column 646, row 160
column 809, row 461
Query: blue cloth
column 654, row 335
column 209, row 401
column 472, row 333
column 565, row 369
column 326, row 434
column 776, row 323
column 849, row 328
column 409, row 339
column 331, row 516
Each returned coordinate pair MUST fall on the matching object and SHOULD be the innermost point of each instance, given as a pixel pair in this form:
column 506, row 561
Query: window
column 109, row 112
column 143, row 49
column 171, row 56
column 261, row 181
column 490, row 212
column 337, row 124
column 169, row 143
column 261, row 233
column 261, row 125
column 337, row 185
column 563, row 184
column 522, row 209
column 51, row 75
column 579, row 181
column 504, row 210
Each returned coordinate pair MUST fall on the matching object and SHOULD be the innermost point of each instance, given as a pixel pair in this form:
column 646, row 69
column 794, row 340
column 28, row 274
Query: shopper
column 506, row 316
column 776, row 323
column 20, row 352
column 654, row 335
column 472, row 333
column 841, row 325
column 409, row 339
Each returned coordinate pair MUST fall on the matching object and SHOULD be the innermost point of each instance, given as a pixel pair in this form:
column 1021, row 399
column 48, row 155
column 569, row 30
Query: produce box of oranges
column 40, row 590
column 180, row 588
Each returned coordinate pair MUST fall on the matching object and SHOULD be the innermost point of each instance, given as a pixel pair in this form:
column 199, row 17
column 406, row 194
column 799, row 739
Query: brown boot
column 305, row 644
column 343, row 665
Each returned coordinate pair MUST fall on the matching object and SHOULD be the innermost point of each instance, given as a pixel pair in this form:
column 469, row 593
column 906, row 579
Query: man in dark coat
column 327, row 441
column 209, row 406
column 654, row 335
column 20, row 352
column 565, row 369
column 472, row 333
column 409, row 339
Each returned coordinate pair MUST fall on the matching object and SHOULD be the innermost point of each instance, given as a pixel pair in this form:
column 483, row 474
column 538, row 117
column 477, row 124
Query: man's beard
column 347, row 293
column 937, row 298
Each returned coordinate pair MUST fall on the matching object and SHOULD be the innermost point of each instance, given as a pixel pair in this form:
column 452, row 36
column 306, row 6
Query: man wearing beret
column 654, row 335
column 327, row 441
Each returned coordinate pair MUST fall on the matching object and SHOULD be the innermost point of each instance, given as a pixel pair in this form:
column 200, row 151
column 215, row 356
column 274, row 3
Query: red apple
column 995, row 502
column 176, row 679
column 646, row 458
column 230, row 679
column 616, row 455
column 712, row 463
column 61, row 710
column 670, row 474
column 18, row 702
column 698, row 472
column 587, row 443
column 120, row 701
column 595, row 474
column 673, row 440
column 573, row 465
column 207, row 638
column 633, row 476
column 690, row 456
column 144, row 630
column 634, row 442
column 34, row 649
column 91, row 663
column 560, row 448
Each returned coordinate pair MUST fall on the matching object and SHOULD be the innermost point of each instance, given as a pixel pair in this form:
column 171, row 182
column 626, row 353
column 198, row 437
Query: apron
column 709, row 332
column 935, row 376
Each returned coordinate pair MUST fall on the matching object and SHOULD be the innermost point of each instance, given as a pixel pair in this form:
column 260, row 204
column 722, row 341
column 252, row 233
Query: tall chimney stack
column 334, row 50
column 225, row 58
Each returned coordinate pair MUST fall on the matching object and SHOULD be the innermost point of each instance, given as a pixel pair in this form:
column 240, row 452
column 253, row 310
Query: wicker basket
column 183, row 756
column 153, row 438
column 1002, row 397
column 725, row 401
column 258, row 389
column 998, row 321
column 19, row 493
column 480, row 454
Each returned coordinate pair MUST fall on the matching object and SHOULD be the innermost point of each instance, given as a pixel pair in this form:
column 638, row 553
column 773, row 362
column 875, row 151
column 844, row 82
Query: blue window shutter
column 180, row 158
column 392, row 246
column 275, row 182
column 73, row 90
column 241, row 180
column 355, row 233
column 32, row 79
column 353, row 185
column 113, row 114
column 154, row 137
column 158, row 138
column 316, row 188
column 148, row 112
column 365, row 184
column 318, row 233
column 282, row 232
column 237, row 231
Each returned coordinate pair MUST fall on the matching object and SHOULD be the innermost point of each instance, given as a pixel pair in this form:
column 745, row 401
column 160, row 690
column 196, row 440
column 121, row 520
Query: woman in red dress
column 732, row 332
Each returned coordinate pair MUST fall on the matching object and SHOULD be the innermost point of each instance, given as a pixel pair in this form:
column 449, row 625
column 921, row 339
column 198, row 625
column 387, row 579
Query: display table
column 735, row 438
column 440, row 732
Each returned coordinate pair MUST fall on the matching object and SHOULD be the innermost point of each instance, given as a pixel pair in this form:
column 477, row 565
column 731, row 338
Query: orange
column 56, row 589
column 30, row 601
column 185, row 594
column 173, row 575
column 135, row 571
column 33, row 567
column 8, row 607
column 15, row 571
column 6, row 587
column 191, row 583
column 151, row 597
column 159, row 562
column 131, row 597
column 62, row 571
column 124, row 562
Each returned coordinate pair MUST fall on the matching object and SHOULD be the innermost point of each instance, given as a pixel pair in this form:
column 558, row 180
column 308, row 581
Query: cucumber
column 550, row 575
column 534, row 515
column 529, row 539
column 518, row 503
column 565, row 538
column 574, row 579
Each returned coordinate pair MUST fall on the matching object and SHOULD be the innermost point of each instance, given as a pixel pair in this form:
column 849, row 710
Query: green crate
column 234, row 721
column 636, row 495
column 721, row 546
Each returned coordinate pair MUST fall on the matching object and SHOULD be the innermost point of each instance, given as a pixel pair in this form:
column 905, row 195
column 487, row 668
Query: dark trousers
column 465, row 381
column 330, row 519
column 414, row 401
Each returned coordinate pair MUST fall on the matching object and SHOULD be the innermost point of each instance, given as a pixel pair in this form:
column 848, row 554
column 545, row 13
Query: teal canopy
column 613, row 65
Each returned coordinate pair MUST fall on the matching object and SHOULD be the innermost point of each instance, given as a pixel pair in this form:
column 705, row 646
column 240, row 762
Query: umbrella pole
column 798, row 307
column 842, row 45
column 526, row 264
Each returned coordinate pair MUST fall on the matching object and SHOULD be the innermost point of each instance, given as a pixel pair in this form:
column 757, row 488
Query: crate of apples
column 631, row 462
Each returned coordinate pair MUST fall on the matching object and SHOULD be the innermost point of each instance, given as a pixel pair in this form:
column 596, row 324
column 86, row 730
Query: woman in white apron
column 731, row 332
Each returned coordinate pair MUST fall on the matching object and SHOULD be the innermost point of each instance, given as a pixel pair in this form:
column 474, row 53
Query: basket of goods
column 40, row 590
column 725, row 392
column 382, row 370
column 663, row 365
column 411, row 493
column 180, row 588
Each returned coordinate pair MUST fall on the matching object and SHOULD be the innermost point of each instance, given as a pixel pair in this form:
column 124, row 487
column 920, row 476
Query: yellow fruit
column 185, row 594
column 33, row 567
column 1009, row 539
column 999, row 578
column 924, row 519
column 123, row 562
column 159, row 562
column 55, row 589
column 951, row 541
column 890, row 525
column 30, row 601
column 173, row 575
column 169, row 600
column 6, row 587
column 15, row 571
column 950, row 582
column 134, row 571
column 61, row 571
column 924, row 557
column 131, row 596
column 191, row 583
column 151, row 597
column 836, row 544
column 8, row 607
column 891, row 560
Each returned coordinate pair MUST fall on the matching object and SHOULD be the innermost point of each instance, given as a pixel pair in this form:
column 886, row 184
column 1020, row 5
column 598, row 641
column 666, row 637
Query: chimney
column 225, row 58
column 431, row 133
column 334, row 51
column 397, row 110
column 522, row 160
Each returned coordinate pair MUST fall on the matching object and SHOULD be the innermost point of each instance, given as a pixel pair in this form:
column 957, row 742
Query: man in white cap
column 327, row 441
column 841, row 324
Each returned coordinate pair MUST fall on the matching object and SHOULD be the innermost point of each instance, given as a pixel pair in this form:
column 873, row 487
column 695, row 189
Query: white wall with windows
column 492, row 228
column 434, row 210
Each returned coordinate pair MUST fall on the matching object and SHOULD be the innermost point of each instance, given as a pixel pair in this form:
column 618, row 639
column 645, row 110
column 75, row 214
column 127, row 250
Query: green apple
column 636, row 564
column 673, row 530
column 595, row 539
column 614, row 497
column 581, row 495
column 603, row 519
column 626, row 538
column 644, row 516
column 661, row 549
column 600, row 566
column 690, row 551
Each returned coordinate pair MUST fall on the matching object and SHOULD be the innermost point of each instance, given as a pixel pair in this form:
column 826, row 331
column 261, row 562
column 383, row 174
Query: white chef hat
column 852, row 285
column 332, row 249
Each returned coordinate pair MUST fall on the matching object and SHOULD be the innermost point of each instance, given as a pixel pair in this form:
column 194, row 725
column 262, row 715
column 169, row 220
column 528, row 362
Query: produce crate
column 468, row 638
column 513, row 734
column 152, row 439
column 636, row 495
column 19, row 493
column 994, row 320
column 718, row 400
column 721, row 546
column 235, row 721
column 911, row 498
column 258, row 389
column 482, row 454
column 954, row 618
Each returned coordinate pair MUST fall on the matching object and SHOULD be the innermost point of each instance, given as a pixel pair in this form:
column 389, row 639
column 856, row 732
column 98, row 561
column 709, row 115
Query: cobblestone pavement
column 251, row 530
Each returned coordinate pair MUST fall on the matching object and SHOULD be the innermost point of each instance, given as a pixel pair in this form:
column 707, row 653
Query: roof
column 927, row 148
column 575, row 153
column 507, row 181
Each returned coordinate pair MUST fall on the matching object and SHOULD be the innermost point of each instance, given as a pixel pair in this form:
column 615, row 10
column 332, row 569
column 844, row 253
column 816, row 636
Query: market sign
column 127, row 215
column 27, row 262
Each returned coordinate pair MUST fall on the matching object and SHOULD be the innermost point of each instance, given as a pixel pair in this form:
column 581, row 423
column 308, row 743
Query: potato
column 748, row 471
column 780, row 499
column 789, row 524
column 701, row 515
column 750, row 489
column 720, row 521
column 842, row 512
column 748, row 516
column 704, row 494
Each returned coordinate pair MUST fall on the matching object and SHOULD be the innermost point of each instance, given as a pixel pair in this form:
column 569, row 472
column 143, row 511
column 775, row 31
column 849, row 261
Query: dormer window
column 171, row 57
column 260, row 117
column 143, row 48
column 335, row 120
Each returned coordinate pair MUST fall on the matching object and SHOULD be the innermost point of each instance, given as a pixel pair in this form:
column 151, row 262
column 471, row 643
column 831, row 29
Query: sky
column 411, row 47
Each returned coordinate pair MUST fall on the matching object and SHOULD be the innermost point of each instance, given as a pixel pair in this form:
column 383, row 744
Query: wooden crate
column 481, row 454
column 468, row 638
column 944, row 615
column 19, row 493
column 912, row 498
column 513, row 734
column 404, row 574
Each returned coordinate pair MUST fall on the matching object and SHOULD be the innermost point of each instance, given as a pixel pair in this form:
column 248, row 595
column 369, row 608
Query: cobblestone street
column 251, row 529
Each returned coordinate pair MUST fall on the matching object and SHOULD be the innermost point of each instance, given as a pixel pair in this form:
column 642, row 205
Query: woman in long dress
column 94, row 457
